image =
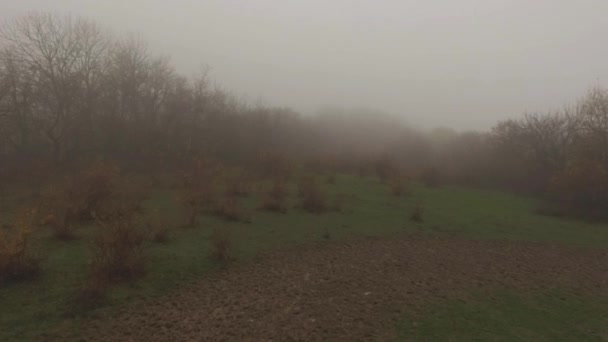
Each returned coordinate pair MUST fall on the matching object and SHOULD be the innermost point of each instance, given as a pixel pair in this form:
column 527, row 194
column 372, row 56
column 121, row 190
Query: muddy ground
column 348, row 291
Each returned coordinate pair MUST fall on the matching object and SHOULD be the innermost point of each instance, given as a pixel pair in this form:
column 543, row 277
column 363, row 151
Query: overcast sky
column 455, row 63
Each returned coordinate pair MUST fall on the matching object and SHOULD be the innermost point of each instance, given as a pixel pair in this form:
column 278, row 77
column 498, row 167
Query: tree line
column 70, row 90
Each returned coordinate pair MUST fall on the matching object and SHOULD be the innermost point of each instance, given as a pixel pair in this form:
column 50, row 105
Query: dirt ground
column 348, row 291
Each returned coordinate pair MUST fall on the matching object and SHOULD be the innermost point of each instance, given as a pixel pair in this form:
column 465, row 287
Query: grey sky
column 457, row 63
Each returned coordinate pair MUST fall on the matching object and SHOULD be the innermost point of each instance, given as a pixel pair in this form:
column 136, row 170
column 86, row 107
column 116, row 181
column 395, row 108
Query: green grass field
column 45, row 304
column 509, row 316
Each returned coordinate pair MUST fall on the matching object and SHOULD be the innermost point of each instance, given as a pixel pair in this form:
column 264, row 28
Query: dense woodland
column 71, row 93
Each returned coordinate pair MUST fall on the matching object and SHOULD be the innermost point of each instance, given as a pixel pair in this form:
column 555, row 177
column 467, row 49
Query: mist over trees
column 72, row 91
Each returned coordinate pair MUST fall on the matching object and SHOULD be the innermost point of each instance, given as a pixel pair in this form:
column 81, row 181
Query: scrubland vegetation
column 121, row 179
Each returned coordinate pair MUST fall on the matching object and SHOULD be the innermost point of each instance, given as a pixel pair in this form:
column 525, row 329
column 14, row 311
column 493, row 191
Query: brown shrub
column 230, row 209
column 63, row 229
column 417, row 213
column 96, row 192
column 237, row 184
column 430, row 177
column 581, row 190
column 274, row 165
column 86, row 192
column 16, row 261
column 312, row 197
column 60, row 216
column 118, row 250
column 61, row 213
column 276, row 199
column 221, row 246
column 157, row 228
column 199, row 188
column 127, row 196
column 398, row 186
column 385, row 169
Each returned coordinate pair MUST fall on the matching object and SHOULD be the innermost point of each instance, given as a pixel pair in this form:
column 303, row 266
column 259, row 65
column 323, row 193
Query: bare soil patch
column 348, row 291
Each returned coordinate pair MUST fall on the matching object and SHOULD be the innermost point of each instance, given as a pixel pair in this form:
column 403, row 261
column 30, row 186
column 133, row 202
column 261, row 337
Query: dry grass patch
column 16, row 260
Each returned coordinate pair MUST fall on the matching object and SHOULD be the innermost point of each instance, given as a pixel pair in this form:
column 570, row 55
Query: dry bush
column 61, row 216
column 63, row 229
column 398, row 186
column 199, row 188
column 238, row 184
column 157, row 228
column 16, row 260
column 96, row 191
column 87, row 191
column 385, row 169
column 417, row 213
column 430, row 177
column 581, row 190
column 276, row 198
column 312, row 197
column 221, row 246
column 60, row 213
column 274, row 165
column 230, row 208
column 118, row 250
column 127, row 196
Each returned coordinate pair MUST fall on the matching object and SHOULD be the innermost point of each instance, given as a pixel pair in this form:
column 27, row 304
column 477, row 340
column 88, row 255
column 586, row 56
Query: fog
column 460, row 64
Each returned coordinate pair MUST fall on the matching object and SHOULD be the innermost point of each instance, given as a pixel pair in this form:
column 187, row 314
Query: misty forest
column 141, row 203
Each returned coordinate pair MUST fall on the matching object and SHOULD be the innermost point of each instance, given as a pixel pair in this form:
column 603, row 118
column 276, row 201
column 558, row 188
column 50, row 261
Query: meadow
column 47, row 305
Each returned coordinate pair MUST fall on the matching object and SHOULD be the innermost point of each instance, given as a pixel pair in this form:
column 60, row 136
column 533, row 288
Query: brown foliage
column 199, row 188
column 61, row 219
column 118, row 250
column 237, row 184
column 430, row 176
column 157, row 228
column 16, row 261
column 230, row 209
column 97, row 191
column 385, row 169
column 276, row 199
column 87, row 191
column 221, row 246
column 417, row 213
column 126, row 199
column 582, row 190
column 398, row 186
column 312, row 197
column 274, row 165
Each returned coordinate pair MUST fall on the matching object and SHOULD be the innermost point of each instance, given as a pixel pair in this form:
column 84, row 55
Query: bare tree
column 593, row 113
column 63, row 57
column 15, row 102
